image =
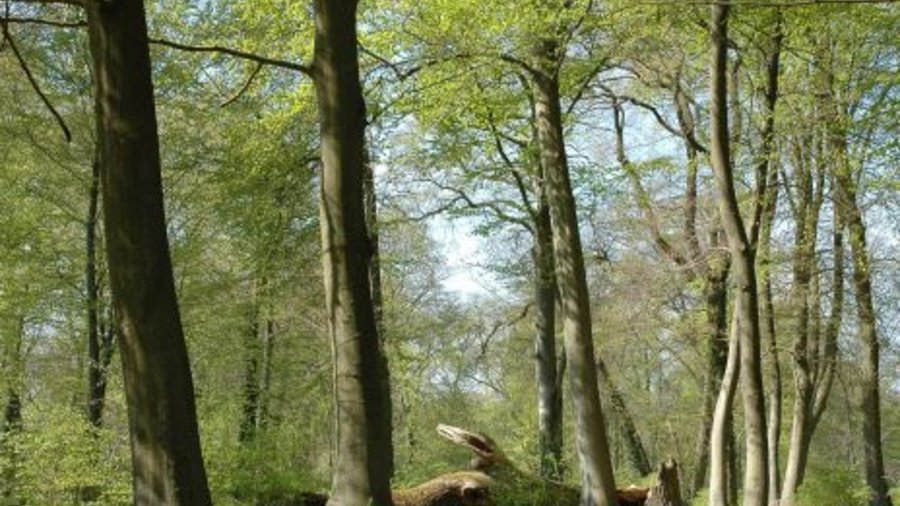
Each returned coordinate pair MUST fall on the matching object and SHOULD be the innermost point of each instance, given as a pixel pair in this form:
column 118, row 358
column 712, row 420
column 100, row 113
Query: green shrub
column 835, row 486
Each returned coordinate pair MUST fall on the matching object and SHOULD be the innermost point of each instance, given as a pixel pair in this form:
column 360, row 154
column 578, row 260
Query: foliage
column 833, row 486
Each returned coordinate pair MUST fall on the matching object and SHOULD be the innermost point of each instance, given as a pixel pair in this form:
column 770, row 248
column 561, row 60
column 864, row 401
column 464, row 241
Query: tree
column 362, row 468
column 746, row 305
column 167, row 461
column 598, row 485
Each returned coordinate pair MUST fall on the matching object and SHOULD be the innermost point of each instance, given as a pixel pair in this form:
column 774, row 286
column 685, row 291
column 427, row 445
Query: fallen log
column 464, row 488
column 514, row 486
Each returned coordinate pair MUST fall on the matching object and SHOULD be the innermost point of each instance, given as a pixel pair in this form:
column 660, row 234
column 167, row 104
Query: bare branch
column 34, row 84
column 76, row 3
column 245, row 87
column 45, row 22
column 641, row 194
column 263, row 60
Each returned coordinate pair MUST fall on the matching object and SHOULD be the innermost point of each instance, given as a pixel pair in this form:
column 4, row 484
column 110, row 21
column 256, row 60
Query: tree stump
column 667, row 491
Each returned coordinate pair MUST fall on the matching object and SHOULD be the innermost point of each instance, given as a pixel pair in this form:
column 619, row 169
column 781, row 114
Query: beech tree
column 746, row 319
column 362, row 398
column 167, row 462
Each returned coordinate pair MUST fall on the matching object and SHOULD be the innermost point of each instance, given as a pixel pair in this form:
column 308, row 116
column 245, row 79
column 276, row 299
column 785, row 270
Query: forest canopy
column 256, row 252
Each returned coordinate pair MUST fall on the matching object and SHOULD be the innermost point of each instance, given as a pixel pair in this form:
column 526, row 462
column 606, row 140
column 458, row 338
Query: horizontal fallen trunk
column 463, row 488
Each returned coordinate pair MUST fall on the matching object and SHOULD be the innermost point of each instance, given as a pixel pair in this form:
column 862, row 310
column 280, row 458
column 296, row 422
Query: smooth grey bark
column 549, row 388
column 362, row 466
column 746, row 307
column 165, row 444
column 715, row 294
column 767, row 315
column 598, row 483
column 719, row 439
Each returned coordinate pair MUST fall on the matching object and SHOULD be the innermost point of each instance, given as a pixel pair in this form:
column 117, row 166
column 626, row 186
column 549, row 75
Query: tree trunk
column 865, row 313
column 252, row 351
column 265, row 388
column 96, row 371
column 721, row 431
column 12, row 410
column 549, row 393
column 362, row 402
column 715, row 292
column 761, row 233
column 371, row 213
column 598, row 485
column 637, row 454
column 166, row 457
column 667, row 491
column 756, row 472
column 807, row 220
column 868, row 340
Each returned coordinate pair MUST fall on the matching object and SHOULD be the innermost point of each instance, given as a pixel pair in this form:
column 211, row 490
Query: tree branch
column 263, row 60
column 45, row 22
column 34, row 84
column 643, row 197
column 245, row 87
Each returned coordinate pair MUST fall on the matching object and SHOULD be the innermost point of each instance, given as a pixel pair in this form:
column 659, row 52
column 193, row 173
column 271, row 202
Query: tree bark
column 549, row 391
column 804, row 259
column 12, row 365
column 715, row 292
column 371, row 212
column 667, row 491
column 252, row 352
column 363, row 428
column 637, row 453
column 96, row 373
column 268, row 358
column 166, row 457
column 756, row 472
column 598, row 485
column 867, row 335
column 721, row 431
column 761, row 228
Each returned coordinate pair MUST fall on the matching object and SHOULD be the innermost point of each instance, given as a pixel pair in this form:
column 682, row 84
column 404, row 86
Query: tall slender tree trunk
column 549, row 393
column 870, row 402
column 767, row 315
column 11, row 364
column 268, row 359
column 165, row 444
column 252, row 355
column 637, row 453
column 371, row 212
column 362, row 402
column 804, row 260
column 598, row 484
column 756, row 472
column 96, row 371
column 868, row 340
column 100, row 331
column 721, row 431
column 761, row 234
